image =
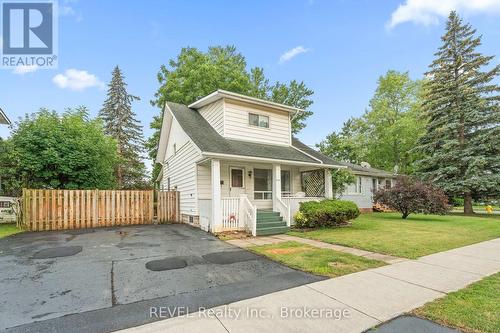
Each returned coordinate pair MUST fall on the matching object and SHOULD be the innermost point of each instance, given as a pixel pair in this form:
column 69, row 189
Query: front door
column 236, row 181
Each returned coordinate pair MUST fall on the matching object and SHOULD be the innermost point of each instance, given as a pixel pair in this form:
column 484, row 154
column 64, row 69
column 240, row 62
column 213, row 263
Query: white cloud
column 428, row 12
column 292, row 53
column 24, row 69
column 66, row 10
column 77, row 80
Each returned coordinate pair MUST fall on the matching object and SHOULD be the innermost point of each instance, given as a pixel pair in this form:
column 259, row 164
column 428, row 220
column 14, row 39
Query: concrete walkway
column 350, row 303
column 253, row 241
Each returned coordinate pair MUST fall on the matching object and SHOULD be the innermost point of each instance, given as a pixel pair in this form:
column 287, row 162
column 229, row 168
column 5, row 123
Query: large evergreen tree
column 121, row 124
column 461, row 147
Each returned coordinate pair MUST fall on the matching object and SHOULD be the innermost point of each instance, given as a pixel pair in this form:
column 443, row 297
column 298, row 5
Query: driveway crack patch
column 113, row 295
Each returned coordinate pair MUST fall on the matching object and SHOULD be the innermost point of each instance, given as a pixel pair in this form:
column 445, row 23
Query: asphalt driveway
column 101, row 280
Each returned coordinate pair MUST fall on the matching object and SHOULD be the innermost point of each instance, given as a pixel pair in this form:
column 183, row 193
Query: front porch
column 260, row 198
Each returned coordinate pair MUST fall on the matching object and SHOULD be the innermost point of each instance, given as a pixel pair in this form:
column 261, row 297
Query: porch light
column 250, row 174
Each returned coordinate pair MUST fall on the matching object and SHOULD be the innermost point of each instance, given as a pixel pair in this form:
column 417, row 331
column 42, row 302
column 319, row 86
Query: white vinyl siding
column 214, row 114
column 204, row 182
column 236, row 124
column 181, row 170
column 364, row 198
column 176, row 139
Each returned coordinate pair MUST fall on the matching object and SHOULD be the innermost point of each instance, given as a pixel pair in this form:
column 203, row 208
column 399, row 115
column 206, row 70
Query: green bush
column 457, row 202
column 325, row 213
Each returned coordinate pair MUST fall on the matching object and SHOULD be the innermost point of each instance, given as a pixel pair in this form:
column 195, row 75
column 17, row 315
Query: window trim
column 358, row 184
column 289, row 181
column 231, row 177
column 258, row 118
column 265, row 192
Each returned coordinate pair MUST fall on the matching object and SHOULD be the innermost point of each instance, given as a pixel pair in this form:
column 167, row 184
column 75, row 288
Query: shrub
column 412, row 196
column 325, row 213
column 457, row 202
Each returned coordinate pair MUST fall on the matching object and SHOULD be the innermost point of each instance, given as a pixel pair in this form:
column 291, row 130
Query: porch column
column 216, row 221
column 328, row 184
column 276, row 184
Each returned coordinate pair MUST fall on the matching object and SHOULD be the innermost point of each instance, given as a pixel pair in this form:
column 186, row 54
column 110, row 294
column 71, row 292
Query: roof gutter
column 270, row 160
column 218, row 94
column 7, row 120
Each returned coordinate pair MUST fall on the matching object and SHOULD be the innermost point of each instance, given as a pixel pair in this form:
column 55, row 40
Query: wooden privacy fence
column 167, row 206
column 77, row 209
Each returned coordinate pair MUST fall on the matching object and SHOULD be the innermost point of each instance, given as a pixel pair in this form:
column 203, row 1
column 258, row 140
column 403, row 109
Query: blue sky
column 347, row 44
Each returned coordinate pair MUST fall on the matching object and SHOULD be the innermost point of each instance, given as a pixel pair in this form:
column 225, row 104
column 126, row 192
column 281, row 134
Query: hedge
column 325, row 213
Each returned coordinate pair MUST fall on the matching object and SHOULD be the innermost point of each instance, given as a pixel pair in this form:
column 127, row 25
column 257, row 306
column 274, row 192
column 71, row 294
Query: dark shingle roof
column 209, row 141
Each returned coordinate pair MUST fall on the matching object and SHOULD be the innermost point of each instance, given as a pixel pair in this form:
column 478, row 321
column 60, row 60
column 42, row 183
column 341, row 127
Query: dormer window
column 258, row 120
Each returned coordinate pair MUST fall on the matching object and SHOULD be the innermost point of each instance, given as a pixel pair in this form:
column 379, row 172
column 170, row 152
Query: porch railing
column 248, row 213
column 230, row 213
column 284, row 210
column 293, row 204
column 238, row 213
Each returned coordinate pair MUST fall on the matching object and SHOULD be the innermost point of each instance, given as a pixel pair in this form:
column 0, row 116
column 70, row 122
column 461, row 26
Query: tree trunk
column 405, row 215
column 468, row 204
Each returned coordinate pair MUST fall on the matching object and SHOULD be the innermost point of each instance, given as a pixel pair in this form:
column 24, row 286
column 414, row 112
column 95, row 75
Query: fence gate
column 78, row 209
column 167, row 207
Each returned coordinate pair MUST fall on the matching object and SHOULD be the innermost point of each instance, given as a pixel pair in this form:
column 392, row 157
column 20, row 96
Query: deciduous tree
column 195, row 74
column 47, row 150
column 410, row 196
column 387, row 132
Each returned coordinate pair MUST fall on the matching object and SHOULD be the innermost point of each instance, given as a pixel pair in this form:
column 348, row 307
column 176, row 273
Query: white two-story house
column 237, row 166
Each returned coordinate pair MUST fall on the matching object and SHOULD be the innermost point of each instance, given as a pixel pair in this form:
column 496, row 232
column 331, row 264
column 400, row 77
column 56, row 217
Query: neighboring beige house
column 237, row 167
column 3, row 118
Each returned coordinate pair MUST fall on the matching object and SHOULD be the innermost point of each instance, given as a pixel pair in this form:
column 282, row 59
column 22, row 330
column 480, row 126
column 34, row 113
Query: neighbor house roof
column 3, row 118
column 357, row 169
column 218, row 94
column 209, row 141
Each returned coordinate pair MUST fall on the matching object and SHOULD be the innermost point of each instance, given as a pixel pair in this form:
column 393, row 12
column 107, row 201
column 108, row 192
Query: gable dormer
column 240, row 117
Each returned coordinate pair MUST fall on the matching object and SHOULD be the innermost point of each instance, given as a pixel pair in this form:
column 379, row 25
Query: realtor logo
column 29, row 34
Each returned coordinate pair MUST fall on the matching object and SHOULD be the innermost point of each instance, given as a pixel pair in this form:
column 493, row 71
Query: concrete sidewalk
column 350, row 303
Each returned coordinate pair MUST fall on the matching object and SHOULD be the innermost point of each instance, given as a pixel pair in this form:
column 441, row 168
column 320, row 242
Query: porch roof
column 209, row 141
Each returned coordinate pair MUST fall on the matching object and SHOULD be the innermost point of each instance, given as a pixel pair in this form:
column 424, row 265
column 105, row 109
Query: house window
column 285, row 183
column 5, row 204
column 374, row 184
column 356, row 187
column 258, row 120
column 388, row 183
column 236, row 177
column 359, row 186
column 262, row 184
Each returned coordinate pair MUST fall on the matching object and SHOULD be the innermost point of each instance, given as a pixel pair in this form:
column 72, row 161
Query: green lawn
column 417, row 236
column 315, row 260
column 473, row 309
column 8, row 229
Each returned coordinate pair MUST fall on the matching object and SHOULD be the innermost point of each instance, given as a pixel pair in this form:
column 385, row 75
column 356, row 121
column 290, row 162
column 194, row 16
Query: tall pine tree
column 462, row 103
column 121, row 124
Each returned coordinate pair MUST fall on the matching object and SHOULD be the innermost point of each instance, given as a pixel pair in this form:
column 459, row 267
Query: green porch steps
column 270, row 223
